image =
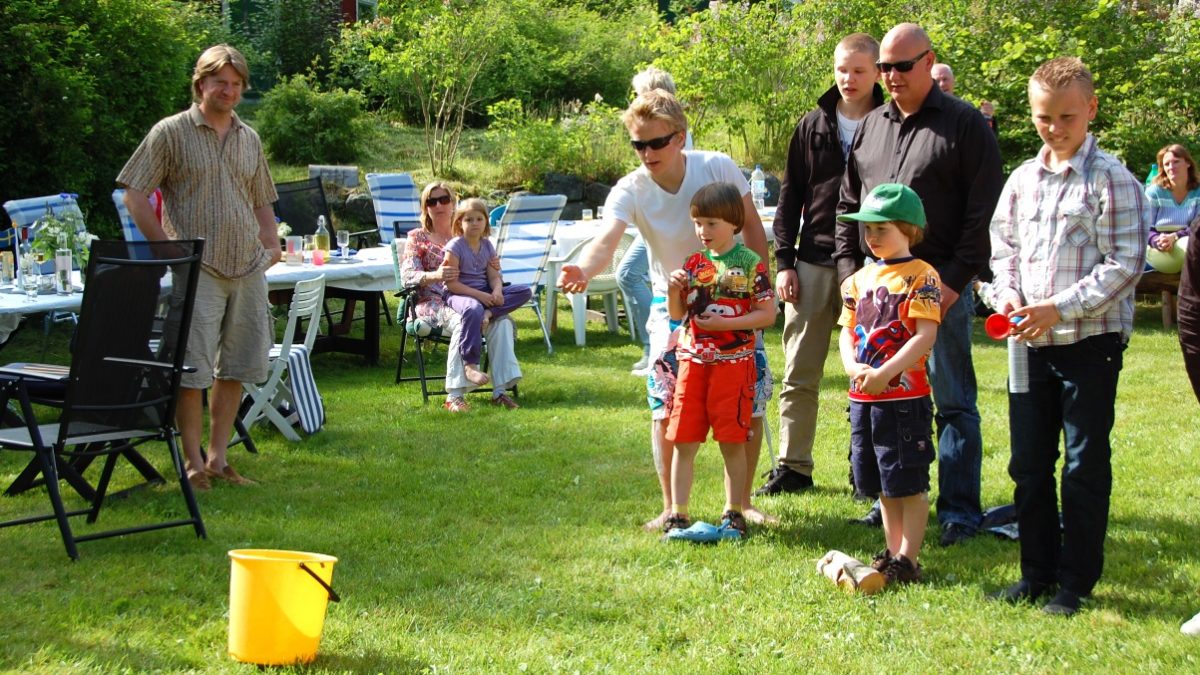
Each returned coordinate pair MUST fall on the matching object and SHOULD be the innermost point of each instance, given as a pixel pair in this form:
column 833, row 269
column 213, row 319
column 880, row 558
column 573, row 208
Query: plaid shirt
column 1076, row 237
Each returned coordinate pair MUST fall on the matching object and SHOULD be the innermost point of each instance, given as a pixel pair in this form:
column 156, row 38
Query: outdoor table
column 369, row 273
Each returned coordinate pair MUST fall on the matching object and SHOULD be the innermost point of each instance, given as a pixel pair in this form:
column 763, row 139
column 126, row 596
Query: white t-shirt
column 846, row 129
column 664, row 219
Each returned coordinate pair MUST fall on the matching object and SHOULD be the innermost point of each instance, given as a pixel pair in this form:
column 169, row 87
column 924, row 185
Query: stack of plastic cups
column 999, row 327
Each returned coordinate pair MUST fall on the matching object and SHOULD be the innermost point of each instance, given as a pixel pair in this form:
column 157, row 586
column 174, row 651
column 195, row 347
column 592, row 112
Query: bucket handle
column 332, row 593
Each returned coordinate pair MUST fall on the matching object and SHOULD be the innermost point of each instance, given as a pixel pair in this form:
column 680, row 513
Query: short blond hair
column 656, row 104
column 861, row 43
column 653, row 78
column 1062, row 72
column 213, row 60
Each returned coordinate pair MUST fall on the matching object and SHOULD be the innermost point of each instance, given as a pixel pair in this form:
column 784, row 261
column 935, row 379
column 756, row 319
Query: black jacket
column 810, row 187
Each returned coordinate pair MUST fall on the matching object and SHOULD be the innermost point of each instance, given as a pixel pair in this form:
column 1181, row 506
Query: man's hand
column 572, row 279
column 787, row 285
column 949, row 297
column 1036, row 319
column 985, row 108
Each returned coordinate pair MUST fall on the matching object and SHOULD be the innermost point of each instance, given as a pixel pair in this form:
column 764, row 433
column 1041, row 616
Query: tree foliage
column 84, row 81
column 300, row 124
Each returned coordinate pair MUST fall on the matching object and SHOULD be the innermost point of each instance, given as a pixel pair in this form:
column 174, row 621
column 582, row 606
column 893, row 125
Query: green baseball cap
column 890, row 201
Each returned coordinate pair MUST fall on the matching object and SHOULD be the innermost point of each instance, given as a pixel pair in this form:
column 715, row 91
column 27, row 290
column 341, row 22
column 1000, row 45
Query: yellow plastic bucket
column 277, row 602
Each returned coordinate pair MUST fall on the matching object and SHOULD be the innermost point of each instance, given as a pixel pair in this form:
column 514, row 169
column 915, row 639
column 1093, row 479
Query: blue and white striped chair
column 128, row 228
column 523, row 242
column 397, row 204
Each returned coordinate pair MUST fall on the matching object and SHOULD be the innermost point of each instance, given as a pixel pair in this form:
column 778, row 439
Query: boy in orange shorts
column 722, row 294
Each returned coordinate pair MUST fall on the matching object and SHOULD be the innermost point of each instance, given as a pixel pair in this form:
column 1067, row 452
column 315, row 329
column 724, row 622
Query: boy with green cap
column 890, row 314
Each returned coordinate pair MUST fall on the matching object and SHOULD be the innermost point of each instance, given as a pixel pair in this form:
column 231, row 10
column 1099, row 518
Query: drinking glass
column 30, row 276
column 343, row 239
column 587, row 214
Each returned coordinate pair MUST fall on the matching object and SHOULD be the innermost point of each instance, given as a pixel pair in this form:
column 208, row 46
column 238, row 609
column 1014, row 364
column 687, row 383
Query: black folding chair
column 122, row 384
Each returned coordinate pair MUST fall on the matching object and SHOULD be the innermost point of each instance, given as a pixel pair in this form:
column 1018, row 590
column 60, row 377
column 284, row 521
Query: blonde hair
column 720, row 200
column 656, row 104
column 213, row 60
column 1060, row 73
column 653, row 78
column 861, row 43
column 1161, row 180
column 426, row 219
column 467, row 206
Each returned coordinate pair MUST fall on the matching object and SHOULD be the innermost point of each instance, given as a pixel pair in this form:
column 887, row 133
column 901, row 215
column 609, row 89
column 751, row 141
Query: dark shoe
column 874, row 518
column 504, row 401
column 782, row 479
column 734, row 520
column 1065, row 603
column 881, row 560
column 1022, row 591
column 901, row 570
column 954, row 533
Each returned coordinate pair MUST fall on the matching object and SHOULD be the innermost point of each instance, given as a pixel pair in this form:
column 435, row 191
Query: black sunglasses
column 434, row 201
column 902, row 66
column 654, row 143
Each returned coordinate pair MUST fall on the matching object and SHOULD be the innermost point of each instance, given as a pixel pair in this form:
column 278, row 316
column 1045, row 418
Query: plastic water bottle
column 1018, row 366
column 321, row 236
column 758, row 187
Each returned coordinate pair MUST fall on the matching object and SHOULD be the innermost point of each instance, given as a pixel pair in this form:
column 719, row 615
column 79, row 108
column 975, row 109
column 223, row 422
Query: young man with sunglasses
column 942, row 148
column 656, row 198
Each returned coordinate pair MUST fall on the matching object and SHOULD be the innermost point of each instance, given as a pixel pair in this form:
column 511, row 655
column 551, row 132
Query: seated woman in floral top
column 422, row 264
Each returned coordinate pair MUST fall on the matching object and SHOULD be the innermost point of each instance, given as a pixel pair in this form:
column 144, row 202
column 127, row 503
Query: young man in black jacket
column 807, row 278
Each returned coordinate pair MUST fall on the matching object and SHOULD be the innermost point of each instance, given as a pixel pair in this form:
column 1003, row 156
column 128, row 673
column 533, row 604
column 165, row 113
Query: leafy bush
column 86, row 80
column 586, row 141
column 301, row 125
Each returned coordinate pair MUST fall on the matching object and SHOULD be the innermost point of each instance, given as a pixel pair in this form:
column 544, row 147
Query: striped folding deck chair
column 523, row 242
column 128, row 228
column 23, row 213
column 397, row 204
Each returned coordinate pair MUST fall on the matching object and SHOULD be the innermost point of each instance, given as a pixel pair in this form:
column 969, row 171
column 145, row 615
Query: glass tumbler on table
column 343, row 242
column 30, row 276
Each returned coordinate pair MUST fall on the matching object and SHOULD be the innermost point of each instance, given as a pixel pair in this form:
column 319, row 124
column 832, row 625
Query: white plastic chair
column 298, row 390
column 397, row 204
column 524, row 238
column 604, row 284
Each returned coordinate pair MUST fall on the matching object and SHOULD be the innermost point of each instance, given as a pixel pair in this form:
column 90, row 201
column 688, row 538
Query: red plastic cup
column 997, row 326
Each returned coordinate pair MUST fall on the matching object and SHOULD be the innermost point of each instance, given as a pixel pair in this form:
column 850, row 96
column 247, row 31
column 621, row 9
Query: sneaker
column 1065, row 603
column 782, row 479
column 874, row 517
column 901, row 570
column 642, row 365
column 734, row 520
column 1191, row 626
column 955, row 533
column 456, row 404
column 505, row 401
column 881, row 560
column 1022, row 591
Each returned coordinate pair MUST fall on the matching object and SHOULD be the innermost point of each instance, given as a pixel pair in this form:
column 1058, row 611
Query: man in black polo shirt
column 942, row 148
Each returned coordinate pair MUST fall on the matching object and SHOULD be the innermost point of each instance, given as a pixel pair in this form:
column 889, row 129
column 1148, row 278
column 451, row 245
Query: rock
column 573, row 211
column 562, row 184
column 358, row 207
column 596, row 194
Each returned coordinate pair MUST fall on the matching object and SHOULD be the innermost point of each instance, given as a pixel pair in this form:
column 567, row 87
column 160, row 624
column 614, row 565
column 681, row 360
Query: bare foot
column 487, row 319
column 657, row 524
column 475, row 375
column 753, row 515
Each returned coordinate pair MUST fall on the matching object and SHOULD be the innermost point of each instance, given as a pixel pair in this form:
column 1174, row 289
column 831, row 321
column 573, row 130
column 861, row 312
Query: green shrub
column 301, row 125
column 85, row 81
column 586, row 141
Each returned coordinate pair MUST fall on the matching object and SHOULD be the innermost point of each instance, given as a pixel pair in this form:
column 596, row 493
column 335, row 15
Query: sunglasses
column 654, row 143
column 434, row 201
column 902, row 66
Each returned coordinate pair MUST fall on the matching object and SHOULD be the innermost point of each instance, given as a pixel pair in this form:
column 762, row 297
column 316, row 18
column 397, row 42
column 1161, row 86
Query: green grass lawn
column 509, row 541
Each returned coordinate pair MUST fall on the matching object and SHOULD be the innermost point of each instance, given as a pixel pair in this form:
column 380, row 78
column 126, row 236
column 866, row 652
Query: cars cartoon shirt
column 880, row 304
column 729, row 285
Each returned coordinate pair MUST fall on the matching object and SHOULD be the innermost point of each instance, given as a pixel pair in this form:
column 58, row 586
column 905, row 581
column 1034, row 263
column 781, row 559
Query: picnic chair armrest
column 407, row 290
column 147, row 364
column 37, row 371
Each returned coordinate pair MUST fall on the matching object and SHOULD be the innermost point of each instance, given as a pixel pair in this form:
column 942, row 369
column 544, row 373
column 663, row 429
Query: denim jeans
column 960, row 441
column 1072, row 394
column 633, row 276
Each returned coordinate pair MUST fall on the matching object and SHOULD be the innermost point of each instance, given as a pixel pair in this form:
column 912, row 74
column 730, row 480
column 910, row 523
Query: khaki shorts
column 232, row 331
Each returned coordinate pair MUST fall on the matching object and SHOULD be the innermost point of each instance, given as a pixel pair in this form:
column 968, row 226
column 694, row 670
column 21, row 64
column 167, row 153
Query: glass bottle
column 321, row 236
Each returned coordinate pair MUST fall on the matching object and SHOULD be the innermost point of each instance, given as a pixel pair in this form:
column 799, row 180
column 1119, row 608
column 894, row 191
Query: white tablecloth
column 372, row 272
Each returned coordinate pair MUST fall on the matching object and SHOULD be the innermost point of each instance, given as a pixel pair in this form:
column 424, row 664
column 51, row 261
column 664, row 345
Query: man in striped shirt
column 1067, row 251
column 216, row 186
